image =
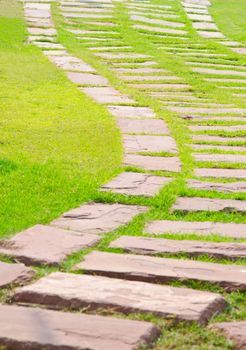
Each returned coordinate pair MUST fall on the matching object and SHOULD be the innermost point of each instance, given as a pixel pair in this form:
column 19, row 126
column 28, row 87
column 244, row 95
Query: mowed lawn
column 56, row 145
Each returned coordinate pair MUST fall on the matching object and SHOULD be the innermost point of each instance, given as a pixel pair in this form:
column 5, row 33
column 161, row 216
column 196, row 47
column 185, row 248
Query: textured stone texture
column 234, row 331
column 221, row 173
column 193, row 204
column 98, row 217
column 217, row 157
column 95, row 292
column 208, row 110
column 14, row 274
column 131, row 112
column 136, row 184
column 204, row 25
column 71, row 63
column 152, row 269
column 87, row 79
column 221, row 139
column 230, row 128
column 149, row 77
column 33, row 328
column 121, row 55
column 219, row 71
column 157, row 21
column 146, row 245
column 218, row 147
column 159, row 29
column 229, row 187
column 147, row 143
column 160, row 86
column 153, row 163
column 154, row 126
column 107, row 95
column 46, row 245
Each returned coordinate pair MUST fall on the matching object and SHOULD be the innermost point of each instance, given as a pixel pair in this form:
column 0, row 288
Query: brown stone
column 106, row 95
column 228, row 187
column 131, row 112
column 234, row 331
column 138, row 126
column 193, row 204
column 153, row 163
column 62, row 290
column 219, row 157
column 87, row 79
column 146, row 245
column 221, row 173
column 46, row 245
column 147, row 143
column 14, row 274
column 98, row 217
column 155, row 270
column 33, row 328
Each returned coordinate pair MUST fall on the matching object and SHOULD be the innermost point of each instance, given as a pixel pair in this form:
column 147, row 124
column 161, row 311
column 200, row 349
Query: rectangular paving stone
column 136, row 184
column 228, row 187
column 220, row 148
column 219, row 71
column 157, row 21
column 153, row 163
column 197, row 17
column 155, row 270
column 87, row 79
column 221, row 173
column 159, row 29
column 131, row 112
column 46, row 245
column 234, row 331
column 138, row 126
column 205, row 25
column 146, row 245
column 203, row 228
column 35, row 328
column 107, row 95
column 98, row 218
column 149, row 143
column 96, row 292
column 208, row 110
column 218, row 157
column 148, row 77
column 196, row 204
column 160, row 86
column 14, row 274
column 208, row 138
column 121, row 55
column 225, row 128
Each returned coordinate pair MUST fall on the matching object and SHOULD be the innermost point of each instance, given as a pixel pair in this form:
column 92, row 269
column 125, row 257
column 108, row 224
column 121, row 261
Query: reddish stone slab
column 155, row 270
column 34, row 328
column 131, row 112
column 46, row 245
column 146, row 245
column 75, row 291
column 149, row 143
column 138, row 126
column 98, row 217
column 221, row 173
column 14, row 274
column 228, row 187
column 218, row 157
column 87, row 79
column 234, row 331
column 193, row 204
column 153, row 163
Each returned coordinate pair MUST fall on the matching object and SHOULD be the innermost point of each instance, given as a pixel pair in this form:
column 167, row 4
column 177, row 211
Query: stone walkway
column 137, row 279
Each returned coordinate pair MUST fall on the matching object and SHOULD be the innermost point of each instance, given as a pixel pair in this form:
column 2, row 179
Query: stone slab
column 87, row 79
column 138, row 126
column 14, row 274
column 107, row 95
column 159, row 29
column 157, row 21
column 234, row 331
column 146, row 245
column 219, row 71
column 149, row 143
column 46, row 245
column 98, row 218
column 220, row 148
column 225, row 128
column 219, row 157
column 208, row 110
column 131, row 112
column 34, row 328
column 95, row 292
column 122, row 55
column 140, row 70
column 153, row 163
column 228, row 187
column 136, row 184
column 196, row 204
column 205, row 25
column 203, row 228
column 167, row 87
column 208, row 138
column 221, row 173
column 162, row 270
column 71, row 63
column 41, row 31
column 148, row 77
column 197, row 17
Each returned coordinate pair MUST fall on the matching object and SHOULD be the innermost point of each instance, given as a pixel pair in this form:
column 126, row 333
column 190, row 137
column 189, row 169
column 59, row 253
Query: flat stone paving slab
column 46, row 245
column 138, row 126
column 228, row 187
column 146, row 245
column 218, row 157
column 149, row 143
column 157, row 21
column 122, row 55
column 225, row 128
column 221, row 173
column 218, row 147
column 14, row 274
column 201, row 228
column 208, row 110
column 162, row 270
column 34, row 328
column 234, row 331
column 160, row 29
column 208, row 138
column 87, row 79
column 107, row 95
column 153, row 163
column 98, row 218
column 96, row 292
column 193, row 204
column 136, row 184
column 131, row 112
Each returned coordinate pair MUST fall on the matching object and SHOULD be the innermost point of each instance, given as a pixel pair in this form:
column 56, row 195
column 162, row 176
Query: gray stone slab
column 218, row 157
column 219, row 71
column 98, row 217
column 87, row 15
column 149, row 143
column 107, row 95
column 208, row 110
column 41, row 31
column 234, row 331
column 203, row 228
column 87, row 79
column 221, row 139
column 153, row 163
column 14, row 274
column 196, row 204
column 228, row 187
column 71, row 63
column 95, row 292
column 213, row 35
column 221, row 173
column 131, row 112
column 159, row 29
column 60, row 53
column 146, row 245
column 46, row 45
column 161, row 86
column 197, row 17
column 148, row 77
column 140, row 70
column 205, row 25
column 157, row 21
column 34, row 328
column 46, row 245
column 138, row 126
column 38, row 13
column 220, row 148
column 136, row 184
column 225, row 128
column 155, row 270
column 240, row 50
column 122, row 55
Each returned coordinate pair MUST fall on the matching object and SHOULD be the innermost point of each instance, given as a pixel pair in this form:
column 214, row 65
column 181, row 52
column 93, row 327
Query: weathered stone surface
column 197, row 17
column 136, row 184
column 46, row 245
column 157, row 21
column 219, row 71
column 153, row 163
column 159, row 29
column 152, row 269
column 228, row 187
column 225, row 128
column 160, row 86
column 46, row 45
column 146, row 245
column 87, row 79
column 131, row 112
column 221, row 139
column 122, row 55
column 220, row 148
column 34, row 328
column 223, row 173
column 149, row 143
column 41, row 31
column 71, row 63
column 95, row 292
column 140, row 70
column 207, row 34
column 107, row 95
column 98, row 217
column 219, row 157
column 14, row 274
column 190, row 204
column 205, row 25
column 148, row 77
column 203, row 228
column 240, row 50
column 138, row 126
column 234, row 331
column 208, row 110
